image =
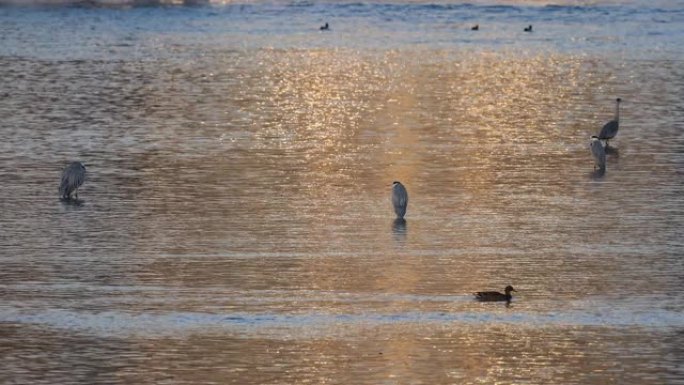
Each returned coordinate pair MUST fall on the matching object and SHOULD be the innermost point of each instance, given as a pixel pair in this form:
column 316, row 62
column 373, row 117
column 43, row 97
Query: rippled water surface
column 236, row 227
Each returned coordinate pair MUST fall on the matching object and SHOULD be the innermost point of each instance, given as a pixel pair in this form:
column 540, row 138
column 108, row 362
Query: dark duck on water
column 492, row 296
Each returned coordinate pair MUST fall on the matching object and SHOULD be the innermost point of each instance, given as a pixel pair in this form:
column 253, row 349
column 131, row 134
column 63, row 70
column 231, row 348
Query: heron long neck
column 617, row 111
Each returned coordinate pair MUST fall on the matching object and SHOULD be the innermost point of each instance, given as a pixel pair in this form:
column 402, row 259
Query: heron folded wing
column 609, row 130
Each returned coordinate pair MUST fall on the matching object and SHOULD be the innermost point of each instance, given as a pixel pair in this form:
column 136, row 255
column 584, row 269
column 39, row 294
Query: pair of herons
column 608, row 132
column 400, row 203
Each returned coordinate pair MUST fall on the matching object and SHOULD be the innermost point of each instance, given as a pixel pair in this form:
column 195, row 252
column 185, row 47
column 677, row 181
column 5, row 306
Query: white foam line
column 172, row 323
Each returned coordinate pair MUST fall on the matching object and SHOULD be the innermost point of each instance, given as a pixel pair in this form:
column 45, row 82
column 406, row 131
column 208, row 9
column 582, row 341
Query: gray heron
column 599, row 152
column 610, row 129
column 399, row 199
column 72, row 178
column 492, row 296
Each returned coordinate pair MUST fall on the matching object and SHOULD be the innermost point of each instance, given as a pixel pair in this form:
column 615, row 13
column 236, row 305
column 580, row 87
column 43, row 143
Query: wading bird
column 599, row 152
column 72, row 178
column 491, row 296
column 610, row 129
column 399, row 199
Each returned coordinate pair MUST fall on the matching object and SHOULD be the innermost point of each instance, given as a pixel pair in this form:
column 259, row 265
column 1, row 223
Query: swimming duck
column 476, row 27
column 528, row 29
column 490, row 296
column 325, row 27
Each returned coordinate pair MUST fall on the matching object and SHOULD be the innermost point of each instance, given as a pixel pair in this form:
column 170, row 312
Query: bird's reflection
column 614, row 151
column 598, row 173
column 399, row 230
column 71, row 202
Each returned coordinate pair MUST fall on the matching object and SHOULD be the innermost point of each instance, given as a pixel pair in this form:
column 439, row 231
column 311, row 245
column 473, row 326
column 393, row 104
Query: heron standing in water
column 610, row 129
column 598, row 152
column 72, row 178
column 399, row 199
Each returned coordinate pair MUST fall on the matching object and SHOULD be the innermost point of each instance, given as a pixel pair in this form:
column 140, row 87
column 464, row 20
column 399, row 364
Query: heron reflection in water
column 399, row 199
column 73, row 177
column 399, row 230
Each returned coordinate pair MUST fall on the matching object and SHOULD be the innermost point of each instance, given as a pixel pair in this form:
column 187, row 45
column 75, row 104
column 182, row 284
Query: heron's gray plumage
column 399, row 199
column 610, row 129
column 72, row 178
column 599, row 152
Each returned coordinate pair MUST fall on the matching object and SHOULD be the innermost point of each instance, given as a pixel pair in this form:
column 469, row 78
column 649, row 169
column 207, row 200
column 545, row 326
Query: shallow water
column 235, row 225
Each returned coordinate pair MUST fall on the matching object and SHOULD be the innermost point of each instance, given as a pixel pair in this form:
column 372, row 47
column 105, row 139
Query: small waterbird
column 72, row 178
column 325, row 27
column 399, row 199
column 528, row 28
column 599, row 152
column 610, row 129
column 476, row 27
column 492, row 296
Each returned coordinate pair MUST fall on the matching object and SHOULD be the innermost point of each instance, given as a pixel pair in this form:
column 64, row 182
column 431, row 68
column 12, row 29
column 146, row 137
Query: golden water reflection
column 470, row 355
column 258, row 183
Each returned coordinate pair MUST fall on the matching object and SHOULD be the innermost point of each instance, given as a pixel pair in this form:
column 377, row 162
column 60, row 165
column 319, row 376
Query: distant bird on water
column 528, row 28
column 72, row 178
column 325, row 27
column 610, row 129
column 492, row 296
column 399, row 199
column 476, row 27
column 599, row 152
